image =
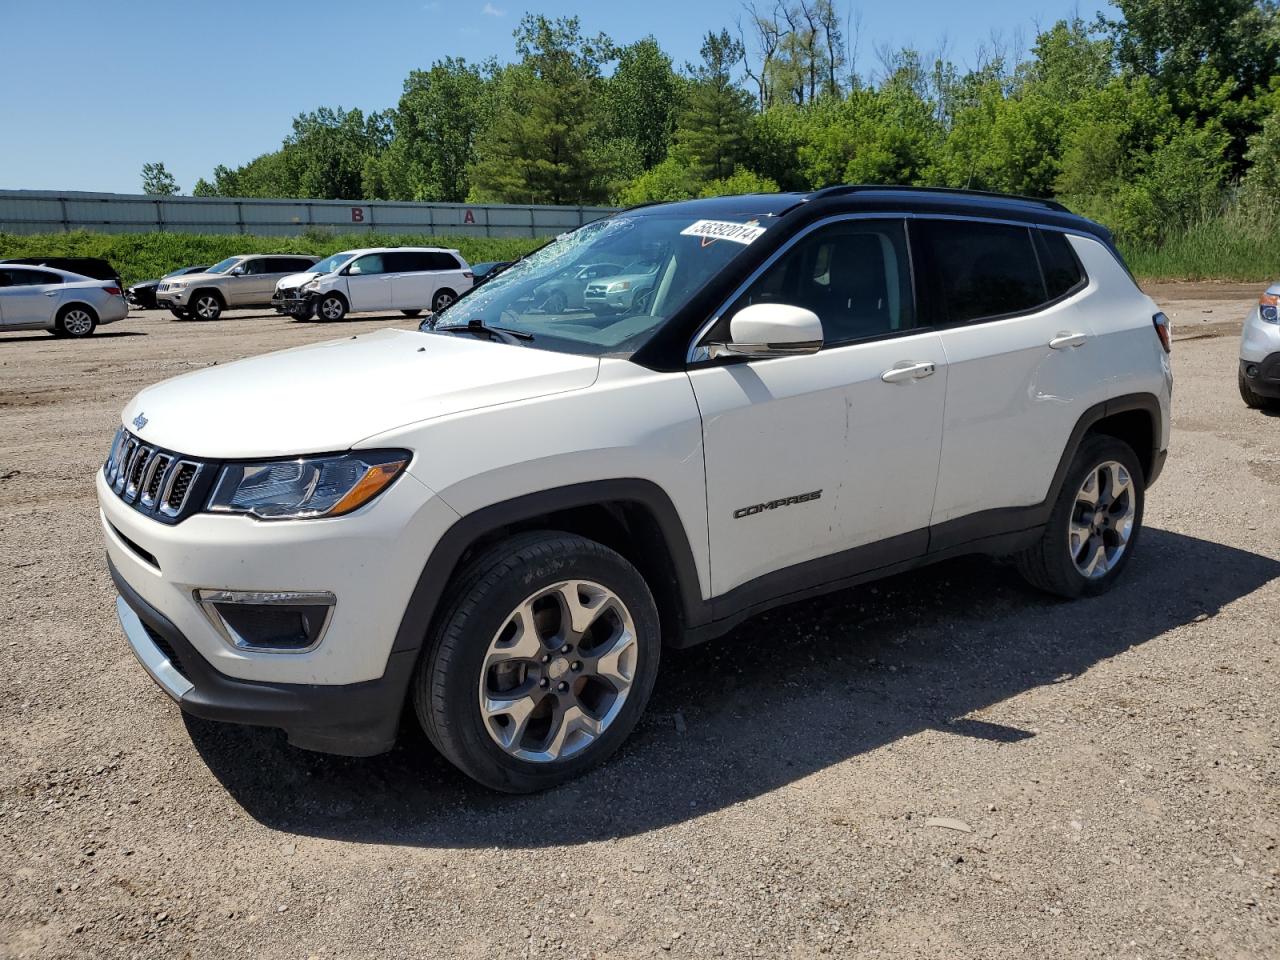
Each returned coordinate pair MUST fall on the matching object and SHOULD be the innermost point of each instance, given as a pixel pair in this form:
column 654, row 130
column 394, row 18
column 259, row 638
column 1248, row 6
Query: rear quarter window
column 1062, row 270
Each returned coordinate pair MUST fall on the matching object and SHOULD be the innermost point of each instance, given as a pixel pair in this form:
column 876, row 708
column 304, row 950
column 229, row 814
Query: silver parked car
column 627, row 291
column 66, row 304
column 236, row 282
column 1260, row 353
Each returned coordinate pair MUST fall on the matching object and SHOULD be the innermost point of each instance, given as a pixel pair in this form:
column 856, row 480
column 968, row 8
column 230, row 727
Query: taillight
column 1268, row 305
column 1164, row 330
column 114, row 291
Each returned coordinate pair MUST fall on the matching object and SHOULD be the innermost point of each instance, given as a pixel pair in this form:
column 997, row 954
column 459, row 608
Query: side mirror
column 770, row 330
column 237, row 271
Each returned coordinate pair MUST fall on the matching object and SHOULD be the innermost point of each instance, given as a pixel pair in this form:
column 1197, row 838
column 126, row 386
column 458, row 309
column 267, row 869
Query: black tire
column 443, row 299
column 1255, row 401
column 411, row 313
column 477, row 605
column 1048, row 564
column 76, row 321
column 179, row 314
column 205, row 305
column 331, row 308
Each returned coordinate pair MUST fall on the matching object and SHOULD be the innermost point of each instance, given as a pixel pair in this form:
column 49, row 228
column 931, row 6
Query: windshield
column 225, row 265
column 330, row 264
column 608, row 286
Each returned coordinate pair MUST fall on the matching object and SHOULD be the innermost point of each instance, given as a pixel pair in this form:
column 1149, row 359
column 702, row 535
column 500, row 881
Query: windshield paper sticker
column 711, row 230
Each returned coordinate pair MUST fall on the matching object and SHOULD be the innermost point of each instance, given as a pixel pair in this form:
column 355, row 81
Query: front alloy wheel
column 206, row 306
column 559, row 671
column 332, row 308
column 541, row 662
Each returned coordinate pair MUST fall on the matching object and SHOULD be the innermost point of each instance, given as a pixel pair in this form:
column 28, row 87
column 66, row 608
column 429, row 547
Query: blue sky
column 94, row 89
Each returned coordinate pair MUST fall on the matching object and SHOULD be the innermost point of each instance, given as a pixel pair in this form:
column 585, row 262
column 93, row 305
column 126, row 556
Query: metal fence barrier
column 52, row 211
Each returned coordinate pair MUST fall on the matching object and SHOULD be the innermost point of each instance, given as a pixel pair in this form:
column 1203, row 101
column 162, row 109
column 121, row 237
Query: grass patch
column 144, row 256
column 1230, row 247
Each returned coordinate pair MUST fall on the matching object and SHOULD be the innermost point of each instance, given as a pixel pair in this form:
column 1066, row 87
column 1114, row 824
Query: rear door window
column 978, row 271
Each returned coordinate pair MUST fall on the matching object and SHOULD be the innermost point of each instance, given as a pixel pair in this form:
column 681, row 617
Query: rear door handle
column 1064, row 340
column 908, row 370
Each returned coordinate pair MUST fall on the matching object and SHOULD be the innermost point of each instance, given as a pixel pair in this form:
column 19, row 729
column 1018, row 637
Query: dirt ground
column 1107, row 773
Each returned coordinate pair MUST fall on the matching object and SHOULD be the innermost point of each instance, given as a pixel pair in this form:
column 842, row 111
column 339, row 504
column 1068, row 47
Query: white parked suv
column 505, row 518
column 408, row 279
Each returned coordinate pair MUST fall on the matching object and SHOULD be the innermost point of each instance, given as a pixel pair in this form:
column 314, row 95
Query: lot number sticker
column 710, row 230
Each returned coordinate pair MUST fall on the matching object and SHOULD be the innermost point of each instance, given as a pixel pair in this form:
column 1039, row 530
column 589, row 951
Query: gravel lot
column 943, row 765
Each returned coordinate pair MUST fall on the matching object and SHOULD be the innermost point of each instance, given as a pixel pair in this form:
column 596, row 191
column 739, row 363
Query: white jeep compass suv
column 505, row 517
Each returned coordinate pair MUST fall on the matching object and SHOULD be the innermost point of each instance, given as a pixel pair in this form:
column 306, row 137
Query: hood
column 329, row 396
column 296, row 280
column 195, row 277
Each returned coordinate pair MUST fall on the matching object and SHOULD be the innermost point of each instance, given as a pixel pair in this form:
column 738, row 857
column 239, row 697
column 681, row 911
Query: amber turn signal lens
column 373, row 482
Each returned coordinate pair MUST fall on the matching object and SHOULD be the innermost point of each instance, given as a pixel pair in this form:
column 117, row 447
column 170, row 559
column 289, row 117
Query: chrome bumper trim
column 153, row 661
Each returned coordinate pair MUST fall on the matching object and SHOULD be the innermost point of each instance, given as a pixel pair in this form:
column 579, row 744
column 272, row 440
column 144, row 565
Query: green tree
column 712, row 132
column 440, row 114
column 538, row 145
column 642, row 98
column 157, row 181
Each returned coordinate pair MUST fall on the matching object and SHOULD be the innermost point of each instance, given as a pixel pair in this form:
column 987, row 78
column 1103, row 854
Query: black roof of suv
column 93, row 267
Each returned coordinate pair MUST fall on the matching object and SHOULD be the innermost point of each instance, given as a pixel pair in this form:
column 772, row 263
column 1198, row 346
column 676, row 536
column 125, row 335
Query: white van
column 408, row 279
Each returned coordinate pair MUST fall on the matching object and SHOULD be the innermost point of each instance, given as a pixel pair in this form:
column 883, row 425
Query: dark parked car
column 92, row 267
column 143, row 295
column 488, row 270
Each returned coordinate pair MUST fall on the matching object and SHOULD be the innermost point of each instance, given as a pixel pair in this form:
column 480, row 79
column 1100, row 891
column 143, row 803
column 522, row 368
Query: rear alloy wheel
column 442, row 300
column 76, row 322
column 542, row 664
column 206, row 306
column 1094, row 525
column 331, row 307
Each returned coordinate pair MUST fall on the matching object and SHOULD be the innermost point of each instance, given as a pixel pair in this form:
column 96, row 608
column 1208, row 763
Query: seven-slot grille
column 156, row 482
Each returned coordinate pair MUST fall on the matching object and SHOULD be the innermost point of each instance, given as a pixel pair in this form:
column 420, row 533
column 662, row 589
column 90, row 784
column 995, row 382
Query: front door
column 28, row 297
column 369, row 284
column 832, row 455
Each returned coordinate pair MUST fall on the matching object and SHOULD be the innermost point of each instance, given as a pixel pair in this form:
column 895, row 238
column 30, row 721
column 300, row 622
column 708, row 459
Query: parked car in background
column 1259, row 375
column 408, row 279
column 95, row 268
column 66, row 304
column 488, row 269
column 142, row 296
column 502, row 521
column 235, row 283
column 564, row 291
column 628, row 290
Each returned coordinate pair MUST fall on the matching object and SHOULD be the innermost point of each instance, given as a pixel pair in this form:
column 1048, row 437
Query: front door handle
column 1064, row 340
column 51, row 293
column 908, row 370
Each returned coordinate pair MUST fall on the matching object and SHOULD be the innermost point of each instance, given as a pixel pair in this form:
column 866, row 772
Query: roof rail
column 950, row 191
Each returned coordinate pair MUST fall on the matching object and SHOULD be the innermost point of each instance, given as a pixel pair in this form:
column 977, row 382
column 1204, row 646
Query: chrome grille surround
column 160, row 483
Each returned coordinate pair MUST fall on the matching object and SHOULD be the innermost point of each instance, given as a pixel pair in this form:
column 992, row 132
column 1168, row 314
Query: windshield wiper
column 497, row 333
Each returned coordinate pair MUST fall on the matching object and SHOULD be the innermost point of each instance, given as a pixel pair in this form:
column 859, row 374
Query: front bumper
column 1259, row 339
column 294, row 303
column 1263, row 376
column 358, row 720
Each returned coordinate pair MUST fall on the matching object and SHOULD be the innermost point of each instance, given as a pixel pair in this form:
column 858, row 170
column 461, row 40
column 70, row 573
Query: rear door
column 369, row 285
column 28, row 297
column 411, row 282
column 1006, row 300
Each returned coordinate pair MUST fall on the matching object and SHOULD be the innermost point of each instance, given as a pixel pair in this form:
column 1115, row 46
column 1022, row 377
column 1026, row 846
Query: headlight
column 1269, row 308
column 312, row 285
column 306, row 487
column 619, row 285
